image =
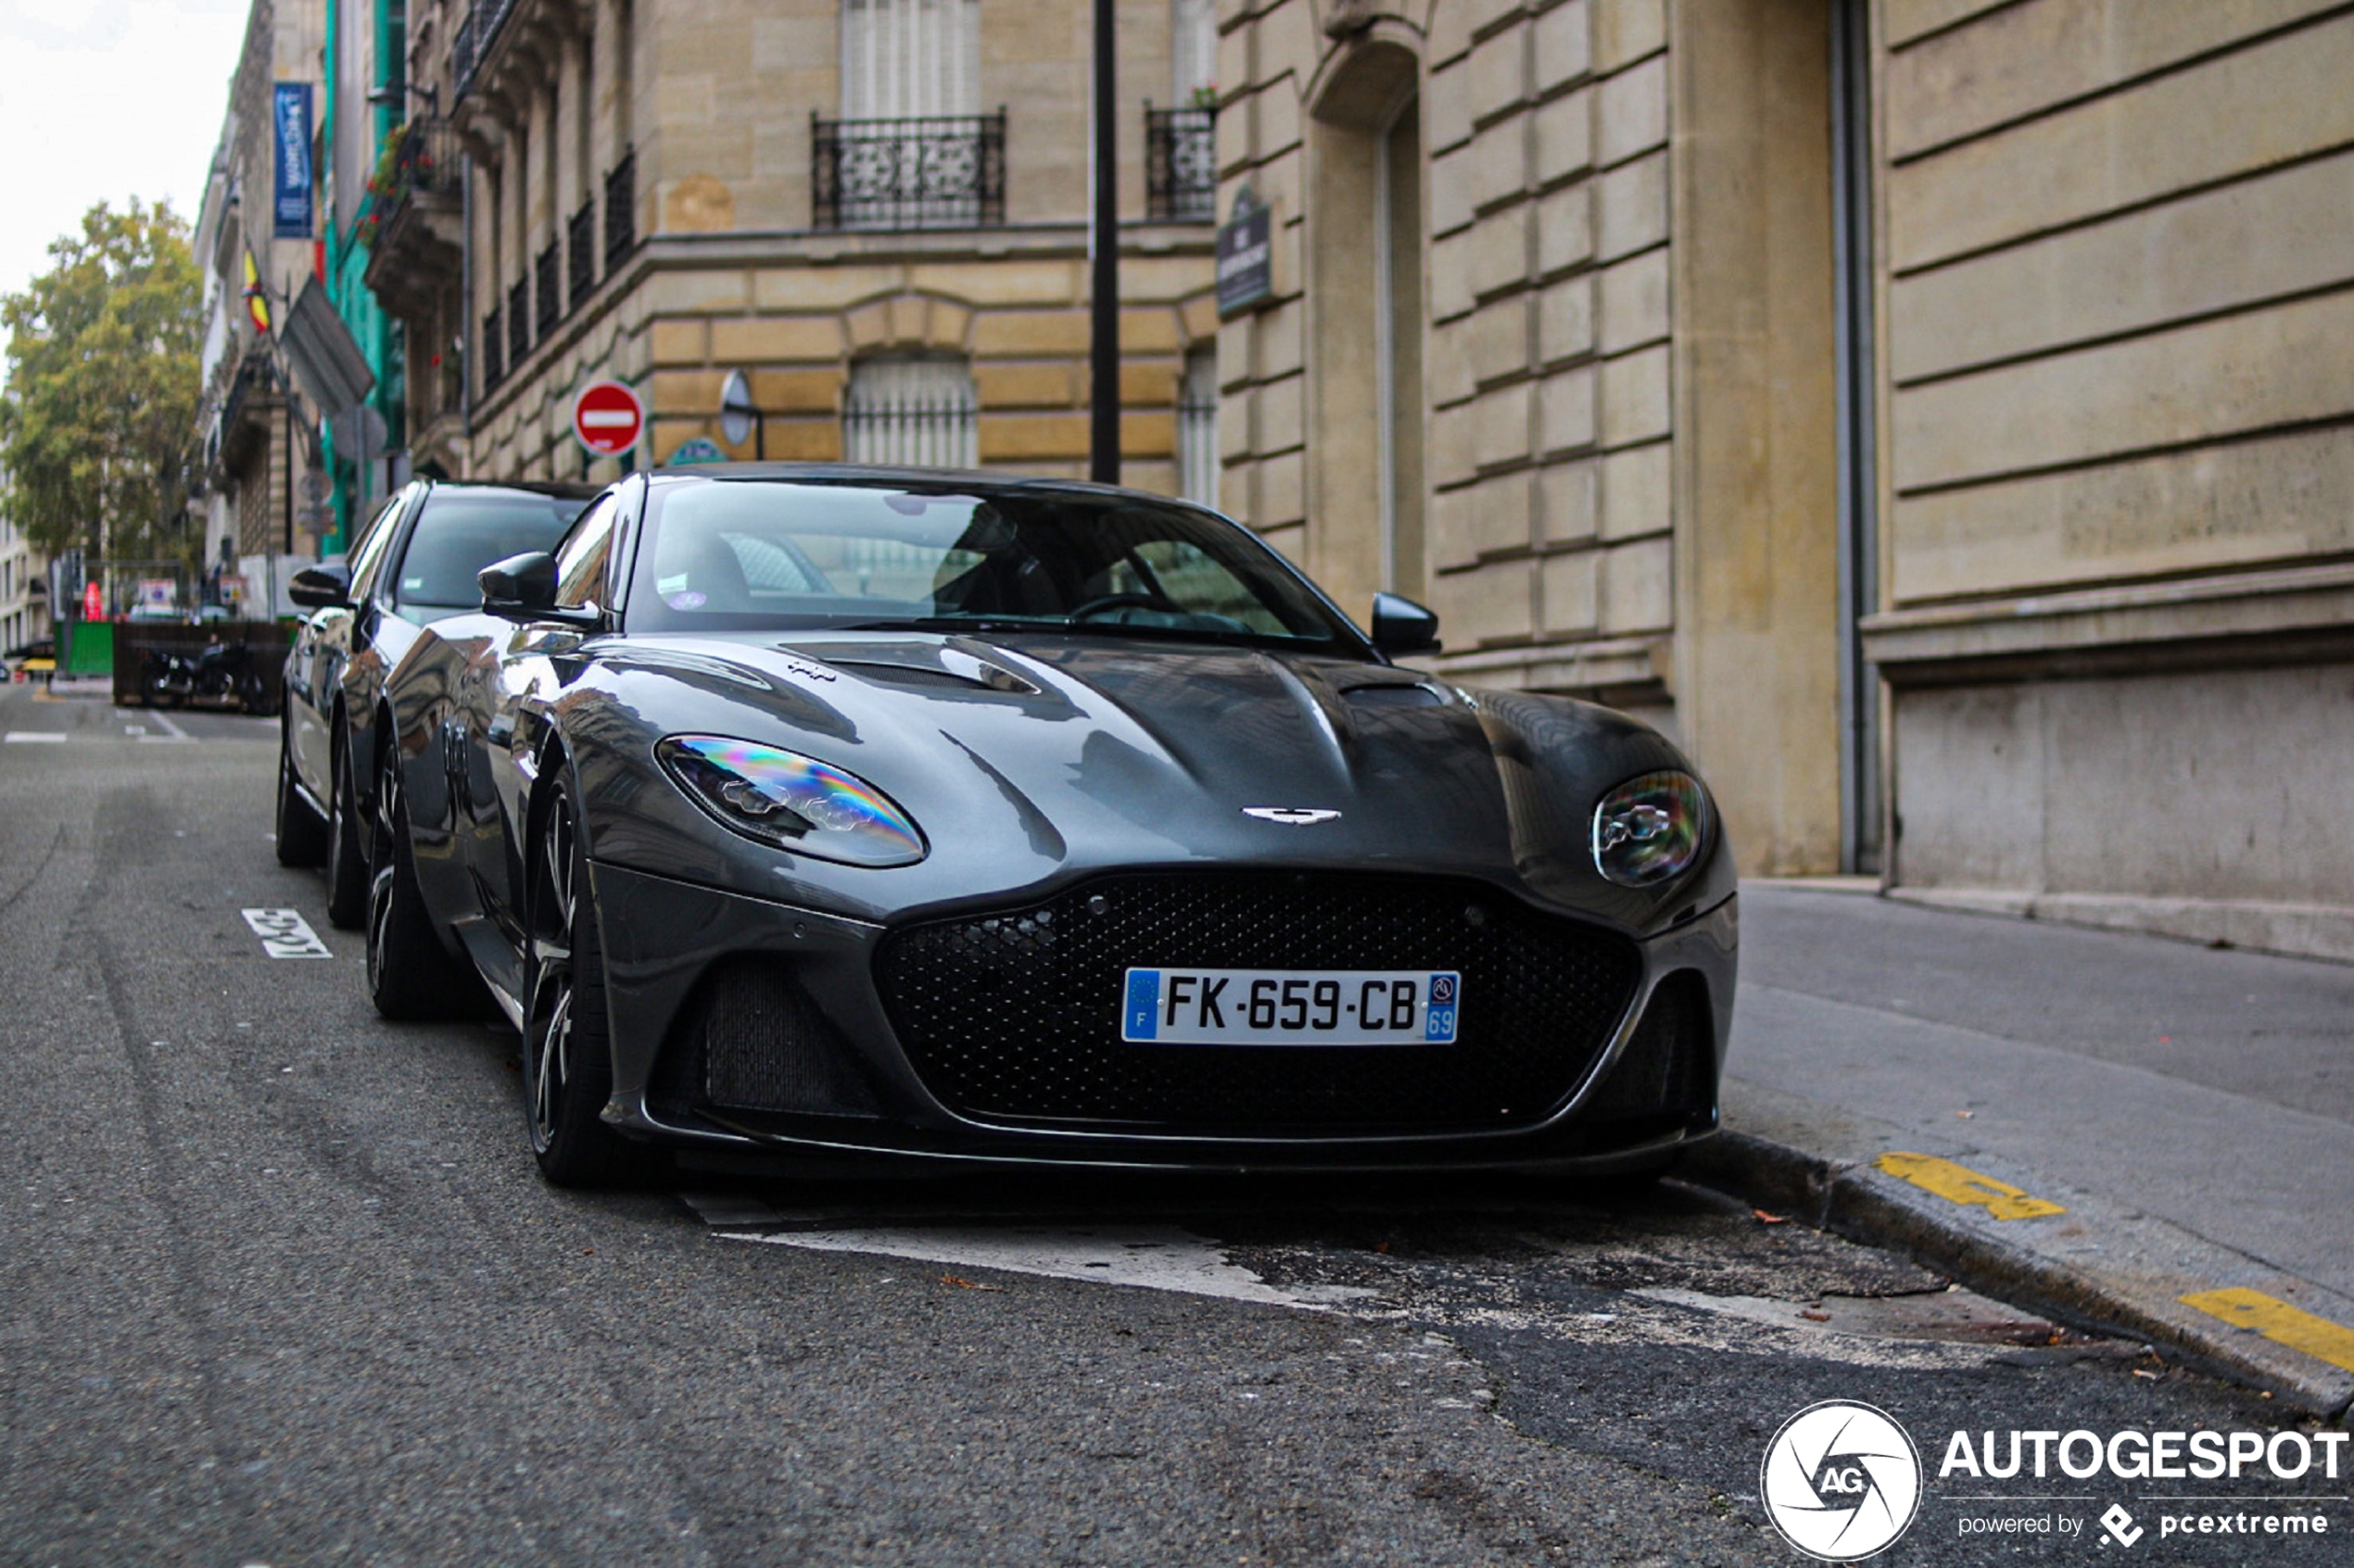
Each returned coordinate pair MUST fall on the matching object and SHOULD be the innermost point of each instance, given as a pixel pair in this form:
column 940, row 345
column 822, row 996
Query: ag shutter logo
column 1840, row 1481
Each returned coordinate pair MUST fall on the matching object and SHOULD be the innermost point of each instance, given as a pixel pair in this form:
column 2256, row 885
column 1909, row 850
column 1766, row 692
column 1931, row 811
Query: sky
column 104, row 100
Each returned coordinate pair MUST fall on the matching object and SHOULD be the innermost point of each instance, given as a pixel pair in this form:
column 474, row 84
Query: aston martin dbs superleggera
column 970, row 819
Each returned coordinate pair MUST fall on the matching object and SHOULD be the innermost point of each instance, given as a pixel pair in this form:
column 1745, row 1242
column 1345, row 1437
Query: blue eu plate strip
column 1143, row 1005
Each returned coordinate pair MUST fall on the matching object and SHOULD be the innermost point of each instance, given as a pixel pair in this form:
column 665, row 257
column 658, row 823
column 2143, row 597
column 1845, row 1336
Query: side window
column 371, row 554
column 581, row 563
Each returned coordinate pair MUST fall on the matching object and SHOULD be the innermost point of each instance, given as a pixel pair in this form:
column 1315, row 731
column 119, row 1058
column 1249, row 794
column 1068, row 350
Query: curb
column 1852, row 1199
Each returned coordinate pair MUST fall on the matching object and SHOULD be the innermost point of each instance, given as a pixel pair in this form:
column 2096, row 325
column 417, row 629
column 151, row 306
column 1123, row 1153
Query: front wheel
column 410, row 974
column 568, row 1050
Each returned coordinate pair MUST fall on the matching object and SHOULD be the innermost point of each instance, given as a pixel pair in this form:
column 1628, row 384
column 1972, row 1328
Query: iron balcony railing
column 932, row 171
column 494, row 364
column 1181, row 165
column 475, row 33
column 548, row 282
column 580, row 250
column 425, row 161
column 518, row 323
column 621, row 211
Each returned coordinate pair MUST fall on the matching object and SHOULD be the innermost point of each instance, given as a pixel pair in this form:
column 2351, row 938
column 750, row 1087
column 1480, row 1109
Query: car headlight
column 790, row 802
column 1650, row 828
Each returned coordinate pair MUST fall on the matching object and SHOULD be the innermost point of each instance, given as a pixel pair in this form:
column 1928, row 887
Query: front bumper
column 1649, row 1089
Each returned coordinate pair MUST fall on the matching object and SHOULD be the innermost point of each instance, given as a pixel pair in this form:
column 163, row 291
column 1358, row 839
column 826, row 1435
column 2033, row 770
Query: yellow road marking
column 2279, row 1321
column 1962, row 1185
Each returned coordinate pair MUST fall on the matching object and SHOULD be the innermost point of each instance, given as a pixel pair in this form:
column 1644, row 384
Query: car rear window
column 461, row 531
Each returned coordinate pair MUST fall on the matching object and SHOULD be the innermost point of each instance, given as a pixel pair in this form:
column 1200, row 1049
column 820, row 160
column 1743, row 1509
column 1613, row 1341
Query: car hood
column 1031, row 759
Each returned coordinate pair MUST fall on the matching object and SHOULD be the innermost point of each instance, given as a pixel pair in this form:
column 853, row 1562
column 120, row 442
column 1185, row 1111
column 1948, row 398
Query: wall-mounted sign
column 290, row 131
column 607, row 418
column 695, row 449
column 1245, row 256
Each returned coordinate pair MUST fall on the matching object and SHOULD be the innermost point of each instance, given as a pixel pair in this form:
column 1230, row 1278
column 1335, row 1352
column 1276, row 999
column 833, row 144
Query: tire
column 156, row 689
column 253, row 694
column 302, row 832
column 567, row 1042
column 349, row 872
column 411, row 976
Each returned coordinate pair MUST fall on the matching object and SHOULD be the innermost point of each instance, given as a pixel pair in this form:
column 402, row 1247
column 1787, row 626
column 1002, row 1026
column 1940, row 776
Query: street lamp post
column 1102, row 246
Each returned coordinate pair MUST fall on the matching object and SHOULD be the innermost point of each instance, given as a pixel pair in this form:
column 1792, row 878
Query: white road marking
column 1148, row 1256
column 18, row 737
column 285, row 934
column 173, row 733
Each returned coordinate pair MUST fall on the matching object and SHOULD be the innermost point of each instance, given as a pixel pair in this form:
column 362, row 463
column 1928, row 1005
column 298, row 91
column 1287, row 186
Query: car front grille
column 1013, row 1015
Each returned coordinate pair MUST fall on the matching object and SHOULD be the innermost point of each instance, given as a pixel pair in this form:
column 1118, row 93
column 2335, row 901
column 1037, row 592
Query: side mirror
column 522, row 587
column 1402, row 626
column 321, row 588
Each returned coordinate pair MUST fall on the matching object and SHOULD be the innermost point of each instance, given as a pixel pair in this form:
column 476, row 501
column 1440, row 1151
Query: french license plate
column 1291, row 1006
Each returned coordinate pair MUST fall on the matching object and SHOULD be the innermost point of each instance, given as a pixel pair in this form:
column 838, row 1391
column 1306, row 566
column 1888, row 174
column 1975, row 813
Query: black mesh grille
column 1667, row 1068
column 1014, row 1016
column 750, row 1038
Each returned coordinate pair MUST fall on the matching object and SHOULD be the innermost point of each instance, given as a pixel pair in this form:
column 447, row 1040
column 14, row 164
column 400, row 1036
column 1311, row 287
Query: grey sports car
column 968, row 818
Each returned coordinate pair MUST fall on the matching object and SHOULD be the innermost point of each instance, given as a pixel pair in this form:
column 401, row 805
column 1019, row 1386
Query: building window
column 1198, row 428
column 1193, row 53
column 917, row 411
column 910, row 58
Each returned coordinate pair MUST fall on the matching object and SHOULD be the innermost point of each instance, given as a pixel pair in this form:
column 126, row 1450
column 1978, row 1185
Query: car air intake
column 750, row 1038
column 1667, row 1072
column 1012, row 1016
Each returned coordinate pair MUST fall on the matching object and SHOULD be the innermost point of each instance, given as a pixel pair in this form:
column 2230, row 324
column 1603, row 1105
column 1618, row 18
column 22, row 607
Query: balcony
column 1181, row 165
column 414, row 221
column 472, row 42
column 936, row 171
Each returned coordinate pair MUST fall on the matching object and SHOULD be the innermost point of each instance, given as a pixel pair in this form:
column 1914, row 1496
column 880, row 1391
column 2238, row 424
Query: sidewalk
column 2177, row 1121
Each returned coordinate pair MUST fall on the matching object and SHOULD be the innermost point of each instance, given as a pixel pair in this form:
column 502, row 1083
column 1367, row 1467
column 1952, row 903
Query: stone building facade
column 876, row 209
column 1920, row 407
column 250, row 489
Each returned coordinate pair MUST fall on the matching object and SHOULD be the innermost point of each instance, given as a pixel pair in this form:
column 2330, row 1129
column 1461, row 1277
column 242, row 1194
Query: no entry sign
column 607, row 418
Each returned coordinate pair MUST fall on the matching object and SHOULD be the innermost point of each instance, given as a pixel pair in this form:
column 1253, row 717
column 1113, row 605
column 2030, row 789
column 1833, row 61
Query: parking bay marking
column 20, row 736
column 1959, row 1183
column 2278, row 1322
column 285, row 934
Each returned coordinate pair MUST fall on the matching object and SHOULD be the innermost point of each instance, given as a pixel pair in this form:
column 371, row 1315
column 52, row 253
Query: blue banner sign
column 290, row 129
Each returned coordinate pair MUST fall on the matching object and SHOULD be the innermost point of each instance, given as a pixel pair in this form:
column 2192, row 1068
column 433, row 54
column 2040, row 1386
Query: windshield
column 463, row 531
column 729, row 555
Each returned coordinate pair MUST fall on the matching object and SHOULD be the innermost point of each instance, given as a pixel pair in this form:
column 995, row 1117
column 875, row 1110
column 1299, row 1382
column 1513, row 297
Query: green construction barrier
column 86, row 648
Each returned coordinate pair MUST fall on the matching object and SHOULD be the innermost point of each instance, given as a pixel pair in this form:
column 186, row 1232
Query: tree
column 97, row 420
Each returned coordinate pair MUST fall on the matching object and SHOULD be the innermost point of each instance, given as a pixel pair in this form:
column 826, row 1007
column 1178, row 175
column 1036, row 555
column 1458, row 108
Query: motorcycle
column 221, row 672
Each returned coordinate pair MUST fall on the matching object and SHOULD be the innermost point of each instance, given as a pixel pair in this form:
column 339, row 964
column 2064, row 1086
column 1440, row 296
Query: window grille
column 911, row 412
column 518, row 323
column 548, row 280
column 580, row 247
column 621, row 211
column 493, row 361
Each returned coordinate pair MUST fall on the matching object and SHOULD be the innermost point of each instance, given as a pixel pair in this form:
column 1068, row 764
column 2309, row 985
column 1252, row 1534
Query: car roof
column 560, row 489
column 921, row 478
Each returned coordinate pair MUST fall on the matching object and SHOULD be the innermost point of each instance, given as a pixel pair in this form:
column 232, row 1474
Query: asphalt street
column 279, row 1285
